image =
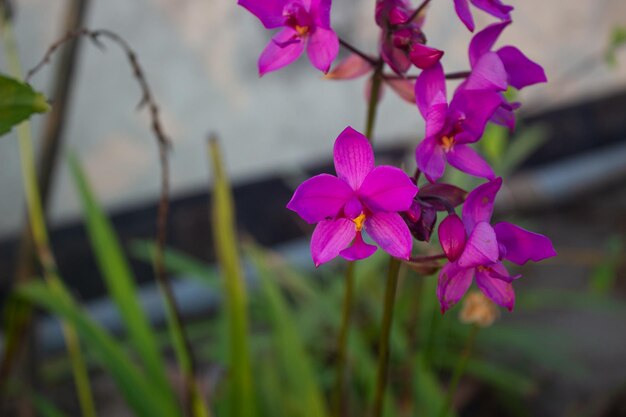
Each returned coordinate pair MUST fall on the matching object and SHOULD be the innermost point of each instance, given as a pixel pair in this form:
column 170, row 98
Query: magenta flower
column 306, row 25
column 497, row 70
column 402, row 41
column 476, row 249
column 450, row 129
column 360, row 197
column 494, row 7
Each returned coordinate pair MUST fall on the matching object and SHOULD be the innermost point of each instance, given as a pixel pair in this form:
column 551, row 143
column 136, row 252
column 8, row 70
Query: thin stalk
column 340, row 395
column 372, row 106
column 40, row 234
column 357, row 51
column 419, row 10
column 459, row 370
column 383, row 348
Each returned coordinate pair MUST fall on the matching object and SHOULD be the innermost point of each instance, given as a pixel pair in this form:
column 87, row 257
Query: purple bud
column 421, row 220
column 452, row 236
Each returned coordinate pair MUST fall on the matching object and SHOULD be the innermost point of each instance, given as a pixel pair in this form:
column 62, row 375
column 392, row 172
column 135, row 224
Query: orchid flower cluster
column 383, row 202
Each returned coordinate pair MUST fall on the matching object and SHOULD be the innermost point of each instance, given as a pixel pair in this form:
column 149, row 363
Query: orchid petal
column 423, row 56
column 354, row 157
column 320, row 197
column 405, row 89
column 478, row 205
column 436, row 115
column 463, row 11
column 453, row 283
column 354, row 66
column 275, row 56
column 353, row 207
column 489, row 73
column 498, row 290
column 358, row 250
column 430, row 159
column 477, row 107
column 498, row 271
column 321, row 10
column 521, row 70
column 430, row 84
column 522, row 245
column 494, row 8
column 466, row 159
column 387, row 188
column 269, row 12
column 452, row 237
column 329, row 238
column 481, row 247
column 391, row 233
column 504, row 116
column 394, row 57
column 322, row 48
column 484, row 40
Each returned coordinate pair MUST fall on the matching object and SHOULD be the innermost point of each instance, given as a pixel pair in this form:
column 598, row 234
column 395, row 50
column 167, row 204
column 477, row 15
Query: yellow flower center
column 358, row 221
column 302, row 30
column 447, row 142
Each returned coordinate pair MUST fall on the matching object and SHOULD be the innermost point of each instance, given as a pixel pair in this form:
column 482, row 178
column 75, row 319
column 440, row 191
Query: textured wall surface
column 200, row 57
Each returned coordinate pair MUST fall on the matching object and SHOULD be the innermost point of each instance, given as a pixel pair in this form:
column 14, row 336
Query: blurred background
column 566, row 164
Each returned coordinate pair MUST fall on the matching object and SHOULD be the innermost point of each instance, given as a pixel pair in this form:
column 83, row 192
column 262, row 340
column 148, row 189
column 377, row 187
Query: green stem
column 40, row 234
column 372, row 106
column 459, row 370
column 341, row 406
column 383, row 348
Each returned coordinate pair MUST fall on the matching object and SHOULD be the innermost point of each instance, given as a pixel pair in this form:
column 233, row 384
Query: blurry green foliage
column 18, row 101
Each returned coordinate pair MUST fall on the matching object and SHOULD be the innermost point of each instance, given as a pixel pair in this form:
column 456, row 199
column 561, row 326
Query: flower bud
column 478, row 309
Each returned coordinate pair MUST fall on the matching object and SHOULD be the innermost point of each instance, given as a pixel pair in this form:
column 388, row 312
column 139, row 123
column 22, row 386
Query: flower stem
column 340, row 395
column 383, row 348
column 372, row 106
column 357, row 51
column 40, row 234
column 459, row 370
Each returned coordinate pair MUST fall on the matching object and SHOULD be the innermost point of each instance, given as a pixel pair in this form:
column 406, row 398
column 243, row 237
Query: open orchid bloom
column 360, row 198
column 497, row 70
column 451, row 128
column 306, row 25
column 402, row 40
column 476, row 249
column 494, row 7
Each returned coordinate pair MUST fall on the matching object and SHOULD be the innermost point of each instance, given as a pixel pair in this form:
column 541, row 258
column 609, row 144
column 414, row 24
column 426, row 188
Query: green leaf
column 241, row 394
column 141, row 393
column 18, row 101
column 604, row 275
column 299, row 376
column 429, row 397
column 618, row 39
column 45, row 407
column 527, row 141
column 120, row 282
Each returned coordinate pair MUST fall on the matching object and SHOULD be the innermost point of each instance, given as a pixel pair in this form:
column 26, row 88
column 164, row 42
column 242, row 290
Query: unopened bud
column 478, row 309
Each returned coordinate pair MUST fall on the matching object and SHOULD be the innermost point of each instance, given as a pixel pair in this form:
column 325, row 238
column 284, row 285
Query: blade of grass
column 300, row 380
column 241, row 400
column 120, row 281
column 141, row 393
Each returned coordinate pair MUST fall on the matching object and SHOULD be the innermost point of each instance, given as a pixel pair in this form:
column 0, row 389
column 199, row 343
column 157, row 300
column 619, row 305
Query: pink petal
column 481, row 247
column 394, row 57
column 353, row 207
column 320, row 197
column 521, row 245
column 499, row 291
column 275, row 57
column 403, row 88
column 521, row 70
column 436, row 115
column 269, row 12
column 423, row 56
column 391, row 233
column 495, row 8
column 322, row 48
column 466, row 159
column 387, row 188
column 329, row 238
column 498, row 271
column 452, row 237
column 354, row 157
column 321, row 10
column 430, row 159
column 358, row 250
column 484, row 40
column 350, row 68
column 430, row 84
column 453, row 283
column 478, row 206
column 476, row 107
column 488, row 74
column 463, row 11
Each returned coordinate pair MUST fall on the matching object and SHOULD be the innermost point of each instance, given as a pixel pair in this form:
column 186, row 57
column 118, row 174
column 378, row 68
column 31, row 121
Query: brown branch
column 163, row 145
column 358, row 52
column 450, row 76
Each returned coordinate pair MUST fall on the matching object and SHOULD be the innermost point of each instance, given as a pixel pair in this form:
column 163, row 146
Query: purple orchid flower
column 476, row 249
column 360, row 197
column 451, row 128
column 306, row 26
column 494, row 7
column 497, row 70
column 402, row 40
